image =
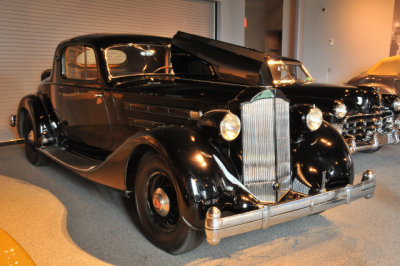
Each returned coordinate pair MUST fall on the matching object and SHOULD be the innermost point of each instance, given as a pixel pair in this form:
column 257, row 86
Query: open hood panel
column 198, row 57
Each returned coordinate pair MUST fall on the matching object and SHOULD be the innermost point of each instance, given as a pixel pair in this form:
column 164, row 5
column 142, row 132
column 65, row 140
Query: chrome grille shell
column 266, row 148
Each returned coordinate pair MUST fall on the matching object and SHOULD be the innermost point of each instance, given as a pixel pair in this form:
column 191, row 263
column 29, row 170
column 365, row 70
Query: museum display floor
column 63, row 219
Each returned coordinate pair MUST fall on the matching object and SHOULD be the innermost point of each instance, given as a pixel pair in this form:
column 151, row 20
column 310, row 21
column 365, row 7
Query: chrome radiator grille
column 266, row 148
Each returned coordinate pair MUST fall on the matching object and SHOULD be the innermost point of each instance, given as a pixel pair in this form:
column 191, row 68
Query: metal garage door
column 30, row 31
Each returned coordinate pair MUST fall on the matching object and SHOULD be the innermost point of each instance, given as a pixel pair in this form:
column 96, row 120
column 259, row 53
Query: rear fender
column 31, row 105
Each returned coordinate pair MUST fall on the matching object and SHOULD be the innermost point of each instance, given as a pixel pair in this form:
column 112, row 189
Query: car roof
column 387, row 66
column 103, row 40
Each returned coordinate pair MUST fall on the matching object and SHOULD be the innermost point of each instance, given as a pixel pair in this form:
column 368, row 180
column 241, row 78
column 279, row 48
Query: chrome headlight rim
column 340, row 110
column 314, row 119
column 230, row 127
column 338, row 127
column 396, row 105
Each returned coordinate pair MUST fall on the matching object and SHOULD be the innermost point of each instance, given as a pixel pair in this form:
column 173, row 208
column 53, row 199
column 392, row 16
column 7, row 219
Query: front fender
column 321, row 153
column 204, row 176
column 326, row 105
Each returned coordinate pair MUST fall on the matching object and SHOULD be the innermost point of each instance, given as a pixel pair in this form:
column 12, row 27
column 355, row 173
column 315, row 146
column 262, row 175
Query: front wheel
column 32, row 154
column 157, row 205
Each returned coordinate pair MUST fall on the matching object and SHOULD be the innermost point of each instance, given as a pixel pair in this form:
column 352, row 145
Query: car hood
column 357, row 99
column 197, row 57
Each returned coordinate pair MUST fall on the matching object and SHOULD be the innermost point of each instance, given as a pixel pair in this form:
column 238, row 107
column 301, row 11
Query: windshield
column 134, row 59
column 287, row 72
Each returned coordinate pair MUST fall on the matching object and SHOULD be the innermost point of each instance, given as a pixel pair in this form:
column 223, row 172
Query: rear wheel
column 158, row 207
column 33, row 155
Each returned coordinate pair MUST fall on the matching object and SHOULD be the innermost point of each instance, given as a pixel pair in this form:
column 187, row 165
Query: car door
column 82, row 100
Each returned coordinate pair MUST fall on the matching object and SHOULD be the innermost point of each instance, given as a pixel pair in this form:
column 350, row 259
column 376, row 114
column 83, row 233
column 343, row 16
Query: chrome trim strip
column 229, row 176
column 370, row 115
column 217, row 228
column 163, row 110
column 282, row 128
column 11, row 142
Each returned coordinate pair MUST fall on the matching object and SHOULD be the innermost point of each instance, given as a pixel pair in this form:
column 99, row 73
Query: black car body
column 368, row 116
column 214, row 147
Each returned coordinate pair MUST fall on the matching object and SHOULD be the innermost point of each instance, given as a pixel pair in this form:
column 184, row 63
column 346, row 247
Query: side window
column 79, row 62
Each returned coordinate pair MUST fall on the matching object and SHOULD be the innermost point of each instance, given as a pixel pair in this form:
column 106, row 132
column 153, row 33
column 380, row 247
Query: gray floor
column 99, row 222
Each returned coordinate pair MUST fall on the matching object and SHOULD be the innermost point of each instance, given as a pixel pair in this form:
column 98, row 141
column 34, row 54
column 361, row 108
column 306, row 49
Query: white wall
column 230, row 23
column 262, row 15
column 361, row 31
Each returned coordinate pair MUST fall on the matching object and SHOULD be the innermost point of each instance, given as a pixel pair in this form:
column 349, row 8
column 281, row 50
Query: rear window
column 79, row 62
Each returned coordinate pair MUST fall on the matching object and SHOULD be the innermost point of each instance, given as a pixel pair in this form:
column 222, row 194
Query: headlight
column 314, row 119
column 230, row 127
column 396, row 105
column 340, row 110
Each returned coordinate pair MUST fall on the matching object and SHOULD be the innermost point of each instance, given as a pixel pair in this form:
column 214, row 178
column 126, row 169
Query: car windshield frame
column 290, row 79
column 137, row 45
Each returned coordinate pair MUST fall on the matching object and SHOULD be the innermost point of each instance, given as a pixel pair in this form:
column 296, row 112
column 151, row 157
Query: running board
column 69, row 159
column 11, row 142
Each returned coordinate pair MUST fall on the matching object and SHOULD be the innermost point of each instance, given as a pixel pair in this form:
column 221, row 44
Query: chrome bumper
column 379, row 139
column 217, row 228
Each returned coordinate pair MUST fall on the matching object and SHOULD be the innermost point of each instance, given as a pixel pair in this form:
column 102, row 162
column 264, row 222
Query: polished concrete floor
column 62, row 219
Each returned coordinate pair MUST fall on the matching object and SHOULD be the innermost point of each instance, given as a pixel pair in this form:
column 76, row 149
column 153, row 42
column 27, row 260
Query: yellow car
column 11, row 253
column 385, row 75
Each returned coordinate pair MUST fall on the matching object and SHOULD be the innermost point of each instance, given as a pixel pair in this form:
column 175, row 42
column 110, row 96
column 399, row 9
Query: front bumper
column 217, row 227
column 377, row 140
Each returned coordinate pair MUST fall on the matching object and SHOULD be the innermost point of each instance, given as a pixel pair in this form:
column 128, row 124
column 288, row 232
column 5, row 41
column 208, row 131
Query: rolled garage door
column 31, row 30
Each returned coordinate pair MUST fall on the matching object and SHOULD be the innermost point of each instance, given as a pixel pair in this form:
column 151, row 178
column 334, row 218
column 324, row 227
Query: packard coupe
column 195, row 131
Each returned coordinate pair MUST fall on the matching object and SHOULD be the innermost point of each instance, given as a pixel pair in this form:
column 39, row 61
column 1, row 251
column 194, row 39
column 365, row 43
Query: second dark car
column 366, row 116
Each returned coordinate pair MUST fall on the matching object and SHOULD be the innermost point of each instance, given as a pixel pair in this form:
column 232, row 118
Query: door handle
column 99, row 95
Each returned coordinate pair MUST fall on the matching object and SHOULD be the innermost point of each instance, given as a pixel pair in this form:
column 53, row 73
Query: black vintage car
column 367, row 116
column 193, row 130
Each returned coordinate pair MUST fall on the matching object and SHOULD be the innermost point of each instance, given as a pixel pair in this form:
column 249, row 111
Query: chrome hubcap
column 161, row 202
column 31, row 137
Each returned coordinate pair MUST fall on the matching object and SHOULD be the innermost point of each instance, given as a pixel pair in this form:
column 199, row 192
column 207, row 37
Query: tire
column 167, row 230
column 32, row 154
column 372, row 150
